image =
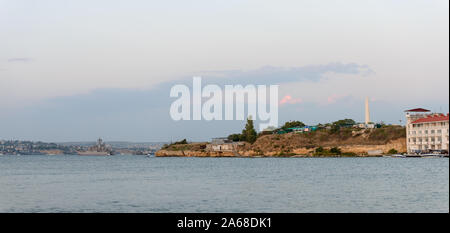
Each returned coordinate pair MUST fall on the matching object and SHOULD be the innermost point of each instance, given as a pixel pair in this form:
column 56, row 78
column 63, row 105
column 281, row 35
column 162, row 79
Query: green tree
column 292, row 124
column 345, row 122
column 235, row 137
column 249, row 133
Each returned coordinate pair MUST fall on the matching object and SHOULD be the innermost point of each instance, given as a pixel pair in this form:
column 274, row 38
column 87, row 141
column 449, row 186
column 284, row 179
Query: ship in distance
column 99, row 148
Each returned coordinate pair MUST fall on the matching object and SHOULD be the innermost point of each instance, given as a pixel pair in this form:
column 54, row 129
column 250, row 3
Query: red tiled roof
column 418, row 110
column 432, row 118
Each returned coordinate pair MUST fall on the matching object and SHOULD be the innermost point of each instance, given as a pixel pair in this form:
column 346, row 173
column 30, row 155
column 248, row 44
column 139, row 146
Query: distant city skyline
column 79, row 70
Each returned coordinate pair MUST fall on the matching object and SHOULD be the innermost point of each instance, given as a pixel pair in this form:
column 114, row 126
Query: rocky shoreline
column 344, row 143
column 351, row 150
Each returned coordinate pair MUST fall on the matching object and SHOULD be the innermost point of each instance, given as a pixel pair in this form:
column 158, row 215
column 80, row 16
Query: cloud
column 143, row 114
column 289, row 100
column 20, row 59
column 334, row 98
column 278, row 75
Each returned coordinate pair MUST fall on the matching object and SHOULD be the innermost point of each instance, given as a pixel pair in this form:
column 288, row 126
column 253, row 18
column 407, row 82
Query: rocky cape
column 351, row 142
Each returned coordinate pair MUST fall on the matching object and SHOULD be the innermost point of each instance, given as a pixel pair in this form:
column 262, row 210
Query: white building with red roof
column 426, row 131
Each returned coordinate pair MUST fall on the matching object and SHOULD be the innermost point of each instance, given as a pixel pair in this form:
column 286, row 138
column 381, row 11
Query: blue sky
column 77, row 70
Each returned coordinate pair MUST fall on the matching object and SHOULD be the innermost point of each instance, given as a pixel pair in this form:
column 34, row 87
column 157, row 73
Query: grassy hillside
column 323, row 142
column 328, row 138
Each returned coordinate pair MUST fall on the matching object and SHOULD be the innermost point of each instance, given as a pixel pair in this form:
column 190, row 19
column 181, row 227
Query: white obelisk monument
column 367, row 111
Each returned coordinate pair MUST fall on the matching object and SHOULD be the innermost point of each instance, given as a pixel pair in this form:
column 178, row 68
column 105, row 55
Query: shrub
column 182, row 142
column 335, row 150
column 234, row 137
column 392, row 151
column 349, row 154
column 319, row 149
column 292, row 124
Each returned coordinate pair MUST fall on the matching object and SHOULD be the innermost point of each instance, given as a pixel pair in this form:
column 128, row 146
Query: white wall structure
column 426, row 131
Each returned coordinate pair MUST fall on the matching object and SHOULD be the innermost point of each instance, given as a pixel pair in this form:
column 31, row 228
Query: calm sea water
column 71, row 183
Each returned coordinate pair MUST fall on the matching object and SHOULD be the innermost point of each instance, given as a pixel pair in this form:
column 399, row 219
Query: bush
column 235, row 137
column 349, row 154
column 335, row 150
column 292, row 124
column 392, row 151
column 344, row 123
column 319, row 150
column 182, row 142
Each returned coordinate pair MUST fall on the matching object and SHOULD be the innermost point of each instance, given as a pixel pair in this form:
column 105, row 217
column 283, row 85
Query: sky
column 79, row 70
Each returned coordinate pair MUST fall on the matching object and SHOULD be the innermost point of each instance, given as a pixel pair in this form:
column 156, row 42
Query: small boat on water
column 429, row 156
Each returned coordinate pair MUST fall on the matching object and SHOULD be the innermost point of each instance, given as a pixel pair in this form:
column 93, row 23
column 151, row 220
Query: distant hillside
column 116, row 144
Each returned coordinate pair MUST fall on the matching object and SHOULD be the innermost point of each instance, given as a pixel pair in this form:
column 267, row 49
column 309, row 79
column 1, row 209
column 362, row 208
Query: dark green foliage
column 292, row 124
column 319, row 149
column 335, row 150
column 348, row 154
column 184, row 141
column 334, row 129
column 337, row 125
column 248, row 133
column 235, row 137
column 392, row 151
column 344, row 123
